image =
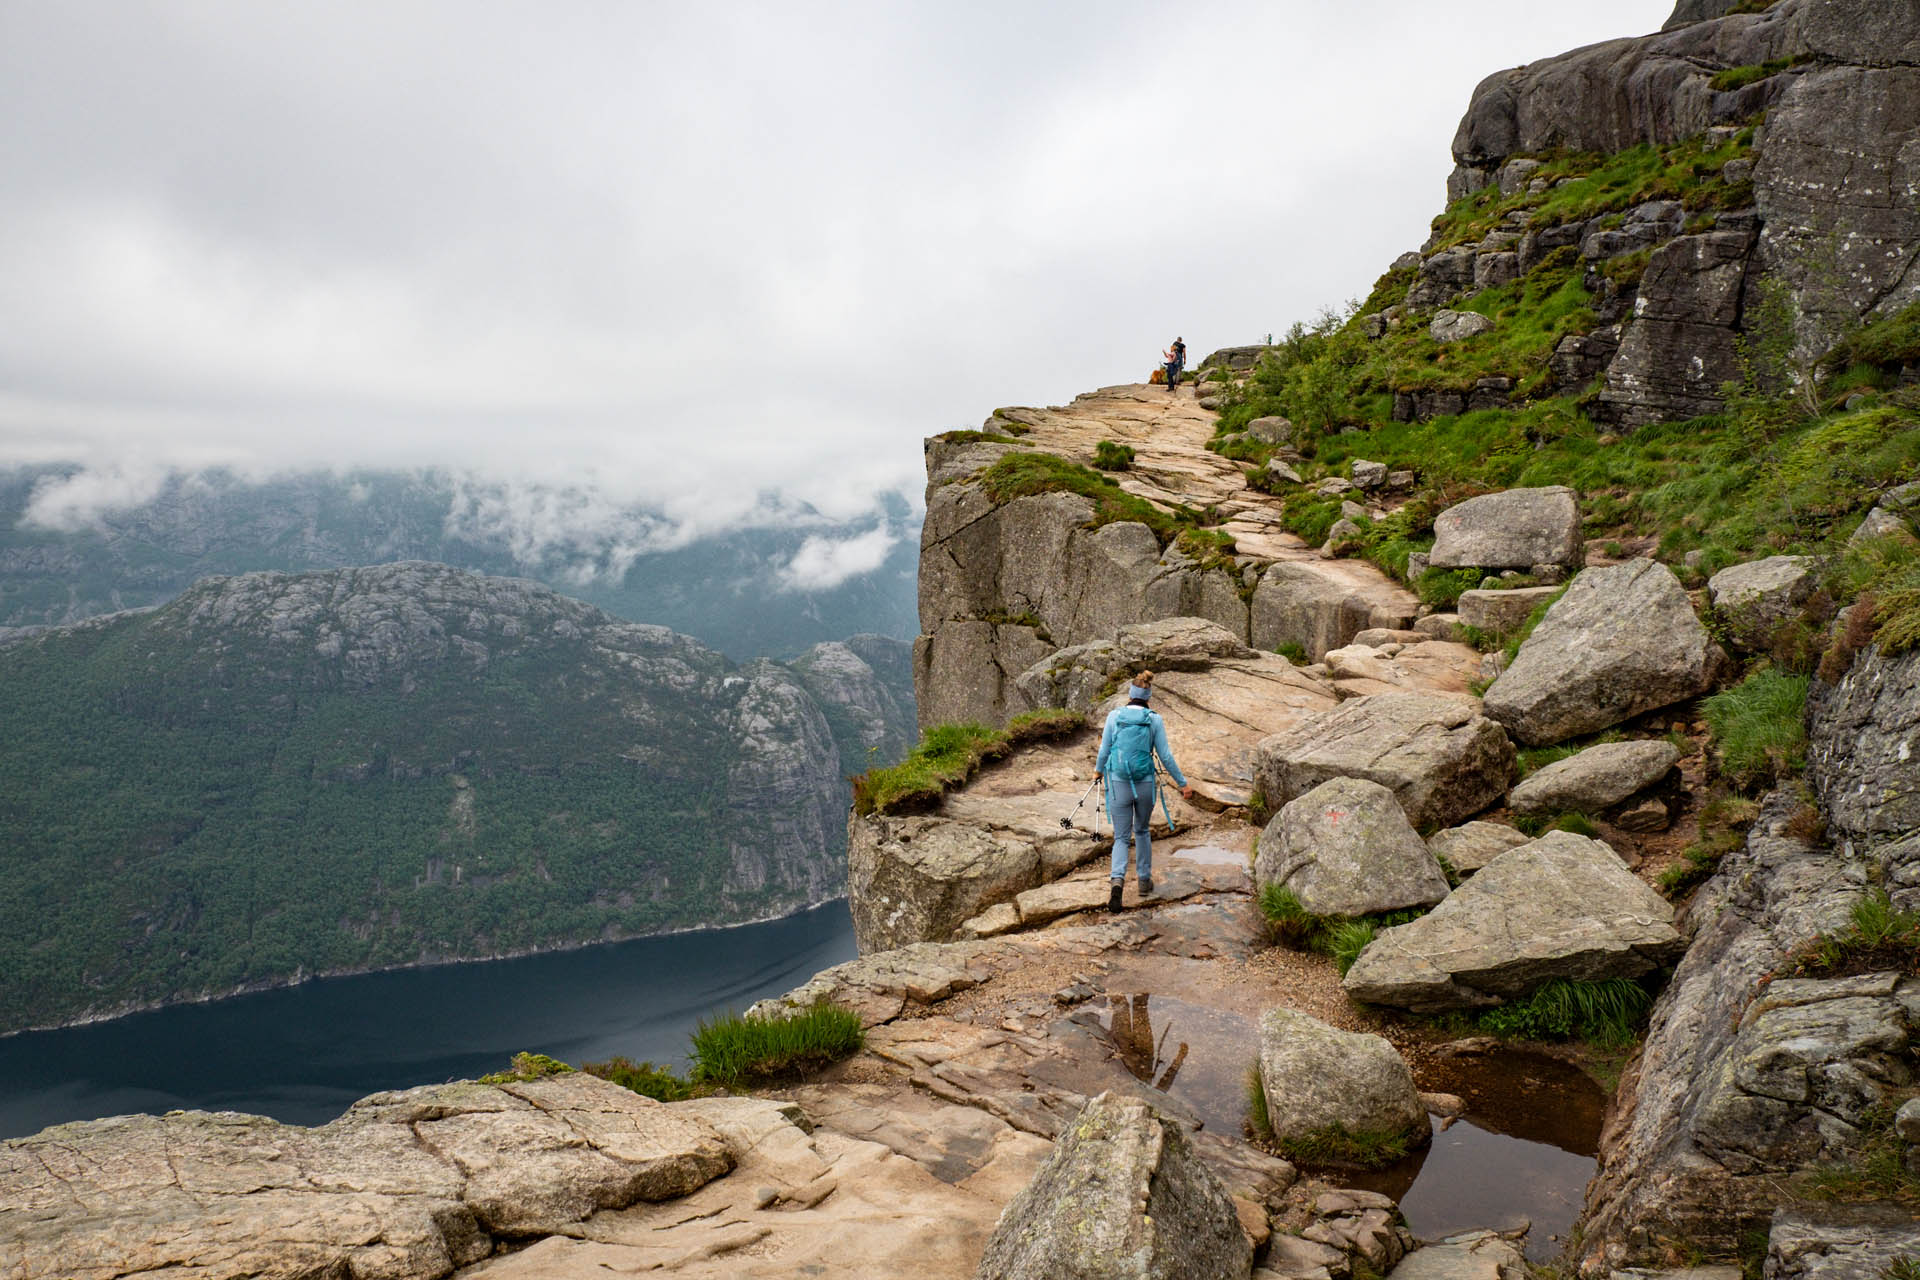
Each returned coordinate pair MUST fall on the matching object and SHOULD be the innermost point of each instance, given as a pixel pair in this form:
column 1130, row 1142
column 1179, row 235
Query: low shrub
column 1339, row 1145
column 1108, row 456
column 1442, row 588
column 1340, row 937
column 1876, row 938
column 730, row 1050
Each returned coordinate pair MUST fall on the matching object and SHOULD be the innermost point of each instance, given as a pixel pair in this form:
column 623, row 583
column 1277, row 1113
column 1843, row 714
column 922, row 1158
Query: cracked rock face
column 919, row 879
column 404, row 1186
column 1123, row 1197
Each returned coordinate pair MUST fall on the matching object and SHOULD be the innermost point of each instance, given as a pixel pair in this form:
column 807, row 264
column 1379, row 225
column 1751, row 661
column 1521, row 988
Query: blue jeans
column 1130, row 805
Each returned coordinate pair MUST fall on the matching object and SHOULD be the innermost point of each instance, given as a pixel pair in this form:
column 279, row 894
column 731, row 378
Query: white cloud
column 71, row 503
column 823, row 563
column 684, row 258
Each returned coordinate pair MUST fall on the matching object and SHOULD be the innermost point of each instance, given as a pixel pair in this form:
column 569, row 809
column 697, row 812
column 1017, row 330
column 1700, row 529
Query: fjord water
column 302, row 1054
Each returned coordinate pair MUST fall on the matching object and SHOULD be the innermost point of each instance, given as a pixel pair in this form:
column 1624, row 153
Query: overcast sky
column 685, row 254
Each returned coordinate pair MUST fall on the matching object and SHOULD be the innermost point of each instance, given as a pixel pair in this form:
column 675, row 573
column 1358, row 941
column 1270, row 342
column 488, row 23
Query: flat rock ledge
column 404, row 1186
column 1562, row 906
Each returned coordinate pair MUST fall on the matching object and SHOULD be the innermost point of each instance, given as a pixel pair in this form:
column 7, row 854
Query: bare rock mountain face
column 280, row 774
column 1825, row 204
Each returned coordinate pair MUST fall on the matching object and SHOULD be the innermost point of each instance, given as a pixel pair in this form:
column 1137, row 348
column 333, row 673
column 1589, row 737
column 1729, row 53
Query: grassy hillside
column 224, row 792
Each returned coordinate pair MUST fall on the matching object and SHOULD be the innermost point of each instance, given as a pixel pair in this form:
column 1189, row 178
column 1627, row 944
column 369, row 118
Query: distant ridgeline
column 292, row 774
column 728, row 590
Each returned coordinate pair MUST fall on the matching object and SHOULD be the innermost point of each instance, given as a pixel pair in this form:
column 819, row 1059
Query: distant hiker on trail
column 1132, row 738
column 1176, row 361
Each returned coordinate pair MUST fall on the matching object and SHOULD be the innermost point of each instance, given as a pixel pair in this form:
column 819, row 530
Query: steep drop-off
column 279, row 775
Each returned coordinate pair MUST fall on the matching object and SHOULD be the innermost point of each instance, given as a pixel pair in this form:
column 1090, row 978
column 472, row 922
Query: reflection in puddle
column 1188, row 1051
column 1522, row 1154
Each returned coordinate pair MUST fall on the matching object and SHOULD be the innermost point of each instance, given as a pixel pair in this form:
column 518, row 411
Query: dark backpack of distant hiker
column 1131, row 755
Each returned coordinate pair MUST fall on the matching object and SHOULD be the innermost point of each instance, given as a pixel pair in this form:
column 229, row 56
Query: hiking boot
column 1146, row 886
column 1113, row 900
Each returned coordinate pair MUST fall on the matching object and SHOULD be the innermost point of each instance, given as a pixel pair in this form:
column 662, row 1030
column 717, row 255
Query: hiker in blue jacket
column 1133, row 736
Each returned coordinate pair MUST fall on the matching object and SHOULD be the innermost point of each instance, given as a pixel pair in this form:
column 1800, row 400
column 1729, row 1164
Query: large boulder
column 918, row 879
column 1318, row 1078
column 1622, row 641
column 1440, row 757
column 1346, row 848
column 1513, row 529
column 1755, row 599
column 1122, row 1197
column 403, row 1186
column 1595, row 779
column 1562, row 906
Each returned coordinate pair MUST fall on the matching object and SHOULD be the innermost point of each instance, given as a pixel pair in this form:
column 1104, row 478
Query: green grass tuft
column 1759, row 726
column 1020, row 475
column 1876, row 938
column 947, row 755
column 1259, row 1119
column 528, row 1066
column 1108, row 456
column 659, row 1083
column 1877, row 1172
column 1293, row 926
column 1442, row 588
column 1609, row 1012
column 1339, row 1145
column 732, row 1050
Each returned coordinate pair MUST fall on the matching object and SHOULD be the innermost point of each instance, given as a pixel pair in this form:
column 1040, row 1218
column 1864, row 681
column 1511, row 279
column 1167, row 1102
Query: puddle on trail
column 1522, row 1153
column 1196, row 1054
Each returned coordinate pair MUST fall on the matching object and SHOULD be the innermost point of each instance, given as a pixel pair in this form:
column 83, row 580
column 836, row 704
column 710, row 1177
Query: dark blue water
column 303, row 1053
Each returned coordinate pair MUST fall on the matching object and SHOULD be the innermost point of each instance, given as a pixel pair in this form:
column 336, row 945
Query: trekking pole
column 1166, row 810
column 1066, row 823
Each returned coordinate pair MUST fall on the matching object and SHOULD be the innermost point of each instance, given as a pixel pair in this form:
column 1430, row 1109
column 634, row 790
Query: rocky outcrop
column 1840, row 1242
column 403, row 1186
column 1502, row 613
column 1596, row 779
column 1318, row 1078
column 1345, row 848
column 1743, row 1081
column 1562, row 906
column 1512, row 529
column 1080, row 677
column 918, row 879
column 1474, row 1255
column 1439, row 756
column 1622, row 641
column 1122, row 1197
column 1002, row 586
column 1838, row 85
